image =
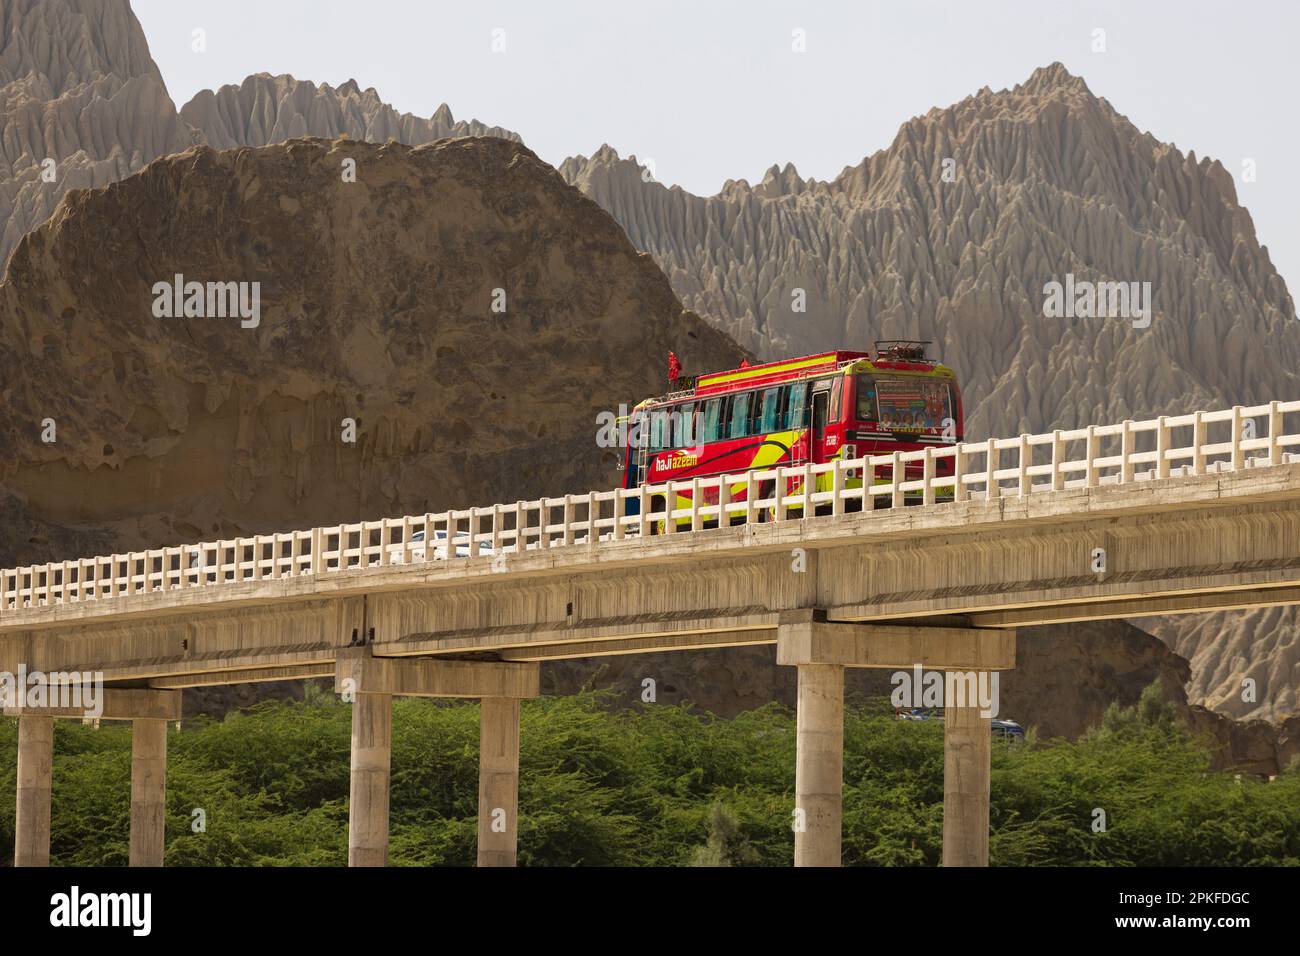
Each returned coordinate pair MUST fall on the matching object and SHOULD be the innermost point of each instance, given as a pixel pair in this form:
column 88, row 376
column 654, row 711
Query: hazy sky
column 713, row 90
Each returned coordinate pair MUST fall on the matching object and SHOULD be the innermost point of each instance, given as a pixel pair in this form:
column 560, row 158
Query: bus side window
column 798, row 409
column 769, row 409
column 712, row 411
column 739, row 425
column 835, row 398
column 684, row 429
column 658, row 427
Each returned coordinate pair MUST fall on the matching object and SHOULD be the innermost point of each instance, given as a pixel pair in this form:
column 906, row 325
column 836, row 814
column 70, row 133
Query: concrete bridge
column 1183, row 514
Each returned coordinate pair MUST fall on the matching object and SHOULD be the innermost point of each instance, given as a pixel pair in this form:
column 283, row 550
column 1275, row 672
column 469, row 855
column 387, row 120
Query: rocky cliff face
column 81, row 102
column 471, row 312
column 1243, row 664
column 267, row 109
column 951, row 233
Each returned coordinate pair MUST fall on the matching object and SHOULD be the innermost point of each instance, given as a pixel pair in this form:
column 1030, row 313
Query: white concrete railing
column 1086, row 457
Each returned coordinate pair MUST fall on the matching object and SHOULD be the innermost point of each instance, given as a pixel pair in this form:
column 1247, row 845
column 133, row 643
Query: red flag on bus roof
column 744, row 363
column 674, row 367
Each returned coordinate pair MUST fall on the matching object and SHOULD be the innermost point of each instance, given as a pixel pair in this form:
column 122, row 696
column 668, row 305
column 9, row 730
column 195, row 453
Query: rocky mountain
column 951, row 233
column 471, row 312
column 82, row 104
column 1227, row 649
column 267, row 109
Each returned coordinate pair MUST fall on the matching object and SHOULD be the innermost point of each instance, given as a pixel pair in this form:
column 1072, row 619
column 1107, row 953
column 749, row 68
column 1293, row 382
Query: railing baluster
column 927, row 476
column 1238, row 453
column 1127, row 446
column 1162, row 447
column 1274, row 433
column 1092, row 474
column 1026, row 482
column 620, row 504
column 991, row 452
column 958, row 472
column 1058, row 459
column 1198, row 442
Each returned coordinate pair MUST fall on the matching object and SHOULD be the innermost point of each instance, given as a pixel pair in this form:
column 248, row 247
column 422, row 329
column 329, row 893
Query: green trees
column 657, row 785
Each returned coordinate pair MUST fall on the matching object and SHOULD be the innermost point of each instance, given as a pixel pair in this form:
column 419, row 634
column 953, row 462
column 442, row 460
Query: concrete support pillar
column 967, row 748
column 372, row 736
column 821, row 650
column 375, row 680
column 819, row 765
column 498, row 781
column 35, row 762
column 148, row 791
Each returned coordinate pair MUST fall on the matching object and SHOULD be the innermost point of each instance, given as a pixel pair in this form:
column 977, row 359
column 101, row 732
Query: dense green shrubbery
column 660, row 785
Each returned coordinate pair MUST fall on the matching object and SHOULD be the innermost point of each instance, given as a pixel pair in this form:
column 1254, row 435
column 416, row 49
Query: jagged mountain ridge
column 1049, row 179
column 77, row 86
column 267, row 109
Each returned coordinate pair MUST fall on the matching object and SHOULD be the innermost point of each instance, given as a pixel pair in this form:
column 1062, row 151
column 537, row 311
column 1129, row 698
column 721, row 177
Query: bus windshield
column 905, row 403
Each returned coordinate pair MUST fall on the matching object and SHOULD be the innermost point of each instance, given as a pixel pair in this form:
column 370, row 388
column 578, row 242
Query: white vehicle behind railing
column 416, row 550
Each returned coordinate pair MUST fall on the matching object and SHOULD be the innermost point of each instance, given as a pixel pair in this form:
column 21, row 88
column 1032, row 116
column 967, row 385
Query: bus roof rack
column 902, row 350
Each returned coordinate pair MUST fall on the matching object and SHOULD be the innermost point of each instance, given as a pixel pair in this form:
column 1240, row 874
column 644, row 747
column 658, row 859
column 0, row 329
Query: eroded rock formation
column 81, row 102
column 376, row 304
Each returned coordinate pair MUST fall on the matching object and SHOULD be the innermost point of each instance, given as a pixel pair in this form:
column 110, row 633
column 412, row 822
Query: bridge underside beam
column 639, row 645
column 252, row 675
column 356, row 671
column 687, row 627
column 1139, row 607
column 112, row 703
column 805, row 640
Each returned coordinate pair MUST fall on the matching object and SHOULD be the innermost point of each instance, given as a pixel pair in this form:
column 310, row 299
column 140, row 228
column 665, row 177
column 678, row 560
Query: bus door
column 821, row 404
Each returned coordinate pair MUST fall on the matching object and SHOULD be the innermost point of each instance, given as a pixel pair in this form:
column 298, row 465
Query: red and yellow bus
column 833, row 405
